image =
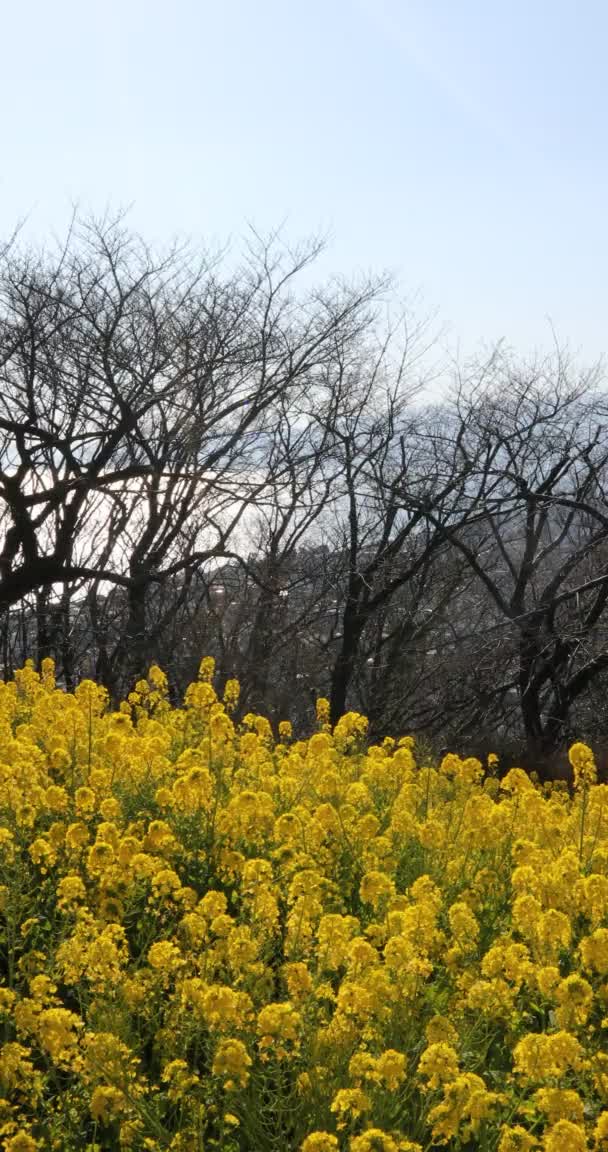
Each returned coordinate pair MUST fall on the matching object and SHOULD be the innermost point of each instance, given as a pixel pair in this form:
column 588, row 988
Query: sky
column 460, row 145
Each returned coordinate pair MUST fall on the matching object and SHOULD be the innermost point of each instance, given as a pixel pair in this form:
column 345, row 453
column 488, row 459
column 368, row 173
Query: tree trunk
column 136, row 656
column 344, row 666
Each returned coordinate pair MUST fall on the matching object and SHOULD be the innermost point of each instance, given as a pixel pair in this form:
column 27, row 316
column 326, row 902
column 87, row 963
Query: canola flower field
column 212, row 937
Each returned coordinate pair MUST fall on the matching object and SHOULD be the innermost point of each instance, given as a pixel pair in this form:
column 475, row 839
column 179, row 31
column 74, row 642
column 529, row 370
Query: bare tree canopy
column 202, row 455
column 138, row 396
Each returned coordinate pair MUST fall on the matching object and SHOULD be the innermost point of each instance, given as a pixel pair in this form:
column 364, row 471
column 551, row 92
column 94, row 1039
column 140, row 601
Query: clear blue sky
column 461, row 144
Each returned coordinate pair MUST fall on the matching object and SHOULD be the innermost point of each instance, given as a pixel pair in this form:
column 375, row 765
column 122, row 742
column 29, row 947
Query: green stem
column 582, row 828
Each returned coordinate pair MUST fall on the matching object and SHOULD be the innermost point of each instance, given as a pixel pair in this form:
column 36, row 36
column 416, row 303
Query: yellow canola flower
column 232, row 1062
column 438, row 1064
column 376, row 1140
column 322, row 709
column 600, row 1132
column 560, row 1104
column 583, row 765
column 107, row 1102
column 594, row 951
column 21, row 1142
column 278, row 1027
column 565, row 1137
column 349, row 1104
column 516, row 1139
column 537, row 1056
column 200, row 925
column 320, row 1142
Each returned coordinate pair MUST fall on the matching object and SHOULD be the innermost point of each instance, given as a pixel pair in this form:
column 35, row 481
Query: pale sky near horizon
column 460, row 144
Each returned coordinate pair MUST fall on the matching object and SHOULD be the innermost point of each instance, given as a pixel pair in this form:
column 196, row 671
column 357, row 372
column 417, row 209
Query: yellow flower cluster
column 215, row 938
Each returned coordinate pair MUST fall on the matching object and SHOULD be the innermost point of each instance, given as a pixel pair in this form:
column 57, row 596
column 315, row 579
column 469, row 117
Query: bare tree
column 138, row 395
column 391, row 476
column 537, row 453
column 201, row 458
